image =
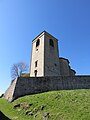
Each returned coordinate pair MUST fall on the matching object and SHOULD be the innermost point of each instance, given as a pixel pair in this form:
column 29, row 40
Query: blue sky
column 22, row 20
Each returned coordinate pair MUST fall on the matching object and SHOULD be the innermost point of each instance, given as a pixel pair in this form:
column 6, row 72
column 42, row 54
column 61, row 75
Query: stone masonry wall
column 25, row 86
column 10, row 91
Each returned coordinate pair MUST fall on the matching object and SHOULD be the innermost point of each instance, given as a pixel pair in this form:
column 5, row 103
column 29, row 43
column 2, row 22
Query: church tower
column 45, row 56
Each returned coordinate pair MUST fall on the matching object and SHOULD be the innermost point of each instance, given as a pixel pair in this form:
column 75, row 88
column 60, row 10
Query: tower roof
column 44, row 32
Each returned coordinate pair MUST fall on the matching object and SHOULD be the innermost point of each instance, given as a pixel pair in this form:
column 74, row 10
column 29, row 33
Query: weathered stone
column 44, row 57
column 46, row 116
column 29, row 113
column 42, row 107
column 42, row 84
column 16, row 106
column 24, row 105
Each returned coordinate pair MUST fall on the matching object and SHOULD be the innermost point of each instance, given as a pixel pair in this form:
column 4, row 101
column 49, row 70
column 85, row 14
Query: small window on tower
column 36, row 63
column 35, row 72
column 38, row 42
column 51, row 42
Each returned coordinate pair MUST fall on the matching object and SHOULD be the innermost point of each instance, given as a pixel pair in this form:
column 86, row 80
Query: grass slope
column 3, row 117
column 55, row 105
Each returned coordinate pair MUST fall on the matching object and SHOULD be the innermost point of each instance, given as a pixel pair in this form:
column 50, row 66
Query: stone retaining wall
column 32, row 85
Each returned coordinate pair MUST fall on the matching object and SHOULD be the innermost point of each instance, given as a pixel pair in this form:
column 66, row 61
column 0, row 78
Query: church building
column 45, row 60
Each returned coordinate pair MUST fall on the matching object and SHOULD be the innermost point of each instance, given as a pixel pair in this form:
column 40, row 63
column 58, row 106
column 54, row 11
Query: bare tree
column 18, row 69
column 14, row 71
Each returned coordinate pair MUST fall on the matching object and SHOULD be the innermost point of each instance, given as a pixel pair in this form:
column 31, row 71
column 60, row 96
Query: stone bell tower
column 45, row 56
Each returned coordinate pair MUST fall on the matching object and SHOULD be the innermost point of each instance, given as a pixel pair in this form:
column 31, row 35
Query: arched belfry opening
column 51, row 43
column 37, row 42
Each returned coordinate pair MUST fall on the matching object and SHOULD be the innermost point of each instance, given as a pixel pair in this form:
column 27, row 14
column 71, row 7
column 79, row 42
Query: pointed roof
column 44, row 32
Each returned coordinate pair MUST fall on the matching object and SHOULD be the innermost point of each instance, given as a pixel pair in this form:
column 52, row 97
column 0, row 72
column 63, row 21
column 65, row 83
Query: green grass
column 25, row 75
column 61, row 105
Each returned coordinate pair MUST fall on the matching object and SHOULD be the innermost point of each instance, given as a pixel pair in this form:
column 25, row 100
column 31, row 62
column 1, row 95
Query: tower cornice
column 44, row 32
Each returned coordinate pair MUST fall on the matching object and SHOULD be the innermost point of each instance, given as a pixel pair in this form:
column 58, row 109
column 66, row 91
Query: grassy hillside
column 55, row 105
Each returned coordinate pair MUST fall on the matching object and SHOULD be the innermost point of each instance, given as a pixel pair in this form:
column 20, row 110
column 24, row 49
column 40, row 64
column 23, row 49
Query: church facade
column 45, row 60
